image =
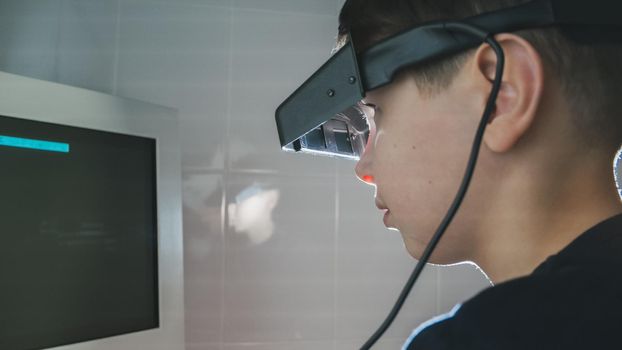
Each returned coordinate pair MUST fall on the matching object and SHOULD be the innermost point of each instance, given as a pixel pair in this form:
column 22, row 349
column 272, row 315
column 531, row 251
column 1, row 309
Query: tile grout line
column 115, row 62
column 60, row 13
column 336, row 256
column 223, row 222
column 281, row 12
column 227, row 160
column 337, row 230
column 231, row 6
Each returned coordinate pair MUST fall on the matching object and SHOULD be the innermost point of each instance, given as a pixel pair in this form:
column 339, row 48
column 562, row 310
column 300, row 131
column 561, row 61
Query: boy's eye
column 368, row 109
column 369, row 119
column 368, row 106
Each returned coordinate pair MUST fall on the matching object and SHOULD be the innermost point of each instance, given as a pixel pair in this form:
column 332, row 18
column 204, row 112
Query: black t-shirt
column 573, row 300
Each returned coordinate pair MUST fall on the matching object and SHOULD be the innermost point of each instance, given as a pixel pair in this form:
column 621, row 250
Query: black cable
column 465, row 181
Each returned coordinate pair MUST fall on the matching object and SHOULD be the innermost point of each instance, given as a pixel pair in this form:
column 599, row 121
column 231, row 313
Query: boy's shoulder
column 573, row 300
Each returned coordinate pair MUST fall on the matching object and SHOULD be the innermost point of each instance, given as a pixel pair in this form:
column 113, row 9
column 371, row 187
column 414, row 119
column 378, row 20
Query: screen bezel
column 37, row 100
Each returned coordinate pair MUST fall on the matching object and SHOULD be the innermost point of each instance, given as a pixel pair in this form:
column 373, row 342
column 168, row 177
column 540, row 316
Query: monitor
column 90, row 236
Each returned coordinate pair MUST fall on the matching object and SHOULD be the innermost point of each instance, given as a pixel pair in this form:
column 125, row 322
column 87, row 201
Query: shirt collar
column 600, row 245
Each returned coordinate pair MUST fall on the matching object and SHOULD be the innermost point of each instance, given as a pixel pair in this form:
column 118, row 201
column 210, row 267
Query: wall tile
column 176, row 54
column 324, row 345
column 29, row 36
column 203, row 258
column 209, row 346
column 86, row 49
column 211, row 3
column 326, row 7
column 340, row 5
column 373, row 267
column 272, row 54
column 279, row 272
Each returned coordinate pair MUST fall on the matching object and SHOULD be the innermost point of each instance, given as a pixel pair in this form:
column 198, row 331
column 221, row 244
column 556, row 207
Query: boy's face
column 416, row 157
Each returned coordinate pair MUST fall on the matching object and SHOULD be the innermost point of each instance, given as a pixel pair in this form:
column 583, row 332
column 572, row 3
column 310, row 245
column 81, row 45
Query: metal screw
column 352, row 80
column 330, row 93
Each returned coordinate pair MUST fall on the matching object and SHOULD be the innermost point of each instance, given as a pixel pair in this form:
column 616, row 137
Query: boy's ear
column 521, row 90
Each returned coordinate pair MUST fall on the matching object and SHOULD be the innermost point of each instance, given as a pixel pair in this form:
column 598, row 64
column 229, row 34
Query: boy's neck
column 544, row 218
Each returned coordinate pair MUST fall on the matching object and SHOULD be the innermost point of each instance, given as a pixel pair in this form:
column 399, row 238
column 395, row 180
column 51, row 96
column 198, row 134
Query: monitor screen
column 78, row 234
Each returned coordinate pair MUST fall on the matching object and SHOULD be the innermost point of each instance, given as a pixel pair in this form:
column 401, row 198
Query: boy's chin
column 436, row 259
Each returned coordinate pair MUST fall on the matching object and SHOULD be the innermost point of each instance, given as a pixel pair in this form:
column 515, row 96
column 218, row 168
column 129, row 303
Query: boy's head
column 557, row 124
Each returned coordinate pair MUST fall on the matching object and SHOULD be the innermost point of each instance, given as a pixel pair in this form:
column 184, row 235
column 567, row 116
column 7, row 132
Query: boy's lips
column 386, row 217
column 381, row 206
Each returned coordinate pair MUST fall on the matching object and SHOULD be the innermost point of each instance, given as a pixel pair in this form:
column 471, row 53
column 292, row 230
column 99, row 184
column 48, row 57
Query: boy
column 542, row 215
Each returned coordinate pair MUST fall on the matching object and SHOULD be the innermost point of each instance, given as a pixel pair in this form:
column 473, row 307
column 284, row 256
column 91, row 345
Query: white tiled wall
column 281, row 251
column 29, row 32
column 86, row 44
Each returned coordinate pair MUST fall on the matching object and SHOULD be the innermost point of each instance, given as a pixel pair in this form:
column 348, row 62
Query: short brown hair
column 588, row 74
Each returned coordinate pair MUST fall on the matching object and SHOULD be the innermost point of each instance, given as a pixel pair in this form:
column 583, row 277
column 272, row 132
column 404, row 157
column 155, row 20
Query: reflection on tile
column 373, row 267
column 86, row 49
column 29, row 35
column 282, row 289
column 251, row 213
column 326, row 7
column 176, row 54
column 458, row 284
column 203, row 258
column 269, row 61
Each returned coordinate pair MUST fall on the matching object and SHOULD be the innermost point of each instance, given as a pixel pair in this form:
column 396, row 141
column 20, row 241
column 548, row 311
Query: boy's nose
column 368, row 179
column 362, row 172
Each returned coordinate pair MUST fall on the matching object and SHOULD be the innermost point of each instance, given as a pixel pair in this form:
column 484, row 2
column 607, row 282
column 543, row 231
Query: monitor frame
column 44, row 101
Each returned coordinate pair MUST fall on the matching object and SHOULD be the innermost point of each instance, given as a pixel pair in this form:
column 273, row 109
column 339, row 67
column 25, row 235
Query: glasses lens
column 344, row 136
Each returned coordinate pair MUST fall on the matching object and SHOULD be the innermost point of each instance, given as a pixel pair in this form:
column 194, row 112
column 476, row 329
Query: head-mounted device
column 324, row 116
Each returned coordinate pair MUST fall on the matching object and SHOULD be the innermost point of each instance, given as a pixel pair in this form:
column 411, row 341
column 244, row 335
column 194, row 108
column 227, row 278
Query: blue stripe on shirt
column 431, row 322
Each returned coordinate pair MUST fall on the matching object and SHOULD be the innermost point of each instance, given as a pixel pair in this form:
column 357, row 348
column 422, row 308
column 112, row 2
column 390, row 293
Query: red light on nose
column 369, row 179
